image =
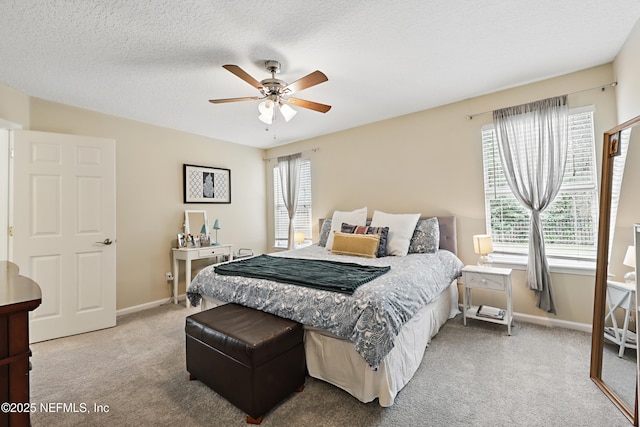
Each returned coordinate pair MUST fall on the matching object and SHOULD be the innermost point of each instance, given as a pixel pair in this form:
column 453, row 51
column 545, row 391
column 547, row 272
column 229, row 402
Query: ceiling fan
column 275, row 93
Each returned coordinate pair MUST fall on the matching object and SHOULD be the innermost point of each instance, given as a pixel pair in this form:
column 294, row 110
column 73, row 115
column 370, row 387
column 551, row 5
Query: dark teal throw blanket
column 343, row 277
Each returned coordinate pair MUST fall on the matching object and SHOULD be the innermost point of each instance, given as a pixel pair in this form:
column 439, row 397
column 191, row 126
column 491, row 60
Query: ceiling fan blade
column 243, row 75
column 307, row 81
column 222, row 101
column 316, row 106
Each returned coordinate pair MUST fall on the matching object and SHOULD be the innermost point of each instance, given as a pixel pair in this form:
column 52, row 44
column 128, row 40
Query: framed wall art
column 204, row 184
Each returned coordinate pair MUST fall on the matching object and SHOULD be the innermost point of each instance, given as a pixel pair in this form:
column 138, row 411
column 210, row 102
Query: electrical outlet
column 169, row 276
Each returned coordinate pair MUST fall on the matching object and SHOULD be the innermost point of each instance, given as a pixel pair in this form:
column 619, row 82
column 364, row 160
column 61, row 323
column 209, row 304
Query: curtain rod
column 301, row 152
column 601, row 87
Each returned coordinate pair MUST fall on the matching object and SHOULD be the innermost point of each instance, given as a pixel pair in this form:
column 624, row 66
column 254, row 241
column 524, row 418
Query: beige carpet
column 470, row 376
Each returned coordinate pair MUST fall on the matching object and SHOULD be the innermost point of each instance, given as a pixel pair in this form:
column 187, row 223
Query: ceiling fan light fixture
column 287, row 112
column 275, row 92
column 267, row 111
column 266, row 118
column 266, row 106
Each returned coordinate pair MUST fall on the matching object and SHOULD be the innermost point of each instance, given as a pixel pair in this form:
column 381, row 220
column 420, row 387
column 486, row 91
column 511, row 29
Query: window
column 302, row 220
column 570, row 223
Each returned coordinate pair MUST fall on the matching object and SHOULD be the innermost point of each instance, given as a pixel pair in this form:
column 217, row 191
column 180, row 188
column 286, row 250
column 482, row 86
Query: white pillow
column 401, row 228
column 357, row 217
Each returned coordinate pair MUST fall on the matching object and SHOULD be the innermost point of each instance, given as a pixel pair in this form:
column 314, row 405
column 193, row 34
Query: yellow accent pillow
column 364, row 245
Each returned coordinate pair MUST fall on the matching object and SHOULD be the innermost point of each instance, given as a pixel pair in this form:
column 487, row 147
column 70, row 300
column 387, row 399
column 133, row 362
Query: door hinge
column 11, row 153
column 10, row 231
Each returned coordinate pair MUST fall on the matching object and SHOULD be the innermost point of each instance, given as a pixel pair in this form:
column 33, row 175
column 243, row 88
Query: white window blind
column 570, row 223
column 302, row 220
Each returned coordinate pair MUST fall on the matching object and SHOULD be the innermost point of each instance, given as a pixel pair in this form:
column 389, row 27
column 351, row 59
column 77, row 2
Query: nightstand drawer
column 213, row 250
column 486, row 277
column 484, row 281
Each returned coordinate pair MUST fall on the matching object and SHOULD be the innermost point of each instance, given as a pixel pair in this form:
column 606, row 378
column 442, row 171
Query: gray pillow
column 426, row 237
column 324, row 233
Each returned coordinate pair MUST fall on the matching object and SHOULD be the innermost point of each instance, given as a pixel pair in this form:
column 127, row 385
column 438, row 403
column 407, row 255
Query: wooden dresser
column 18, row 296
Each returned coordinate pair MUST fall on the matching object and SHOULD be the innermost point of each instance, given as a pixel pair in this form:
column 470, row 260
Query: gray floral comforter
column 371, row 318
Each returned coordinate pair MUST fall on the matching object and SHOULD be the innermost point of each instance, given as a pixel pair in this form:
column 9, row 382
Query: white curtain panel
column 289, row 170
column 533, row 141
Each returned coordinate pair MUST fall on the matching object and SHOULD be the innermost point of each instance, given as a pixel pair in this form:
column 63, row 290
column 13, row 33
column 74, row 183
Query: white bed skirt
column 335, row 360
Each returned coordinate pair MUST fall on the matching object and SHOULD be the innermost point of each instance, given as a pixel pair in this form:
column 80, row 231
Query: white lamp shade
column 266, row 118
column 482, row 244
column 287, row 112
column 630, row 257
column 298, row 236
column 266, row 106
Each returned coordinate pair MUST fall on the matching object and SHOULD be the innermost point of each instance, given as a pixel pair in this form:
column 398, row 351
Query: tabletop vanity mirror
column 195, row 222
column 614, row 354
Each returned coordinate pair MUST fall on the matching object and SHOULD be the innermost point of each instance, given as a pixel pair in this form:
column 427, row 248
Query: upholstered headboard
column 448, row 236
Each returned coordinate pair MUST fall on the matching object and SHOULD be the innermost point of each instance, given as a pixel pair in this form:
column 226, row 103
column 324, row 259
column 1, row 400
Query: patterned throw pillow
column 324, row 233
column 364, row 229
column 426, row 237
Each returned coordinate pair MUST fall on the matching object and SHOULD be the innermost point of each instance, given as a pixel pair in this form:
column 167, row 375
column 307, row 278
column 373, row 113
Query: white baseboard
column 148, row 305
column 557, row 323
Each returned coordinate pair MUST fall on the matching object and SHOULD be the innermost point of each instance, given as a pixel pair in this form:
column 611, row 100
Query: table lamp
column 216, row 226
column 298, row 237
column 482, row 245
column 630, row 261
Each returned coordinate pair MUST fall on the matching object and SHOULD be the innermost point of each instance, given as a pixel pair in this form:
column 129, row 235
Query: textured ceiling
column 160, row 61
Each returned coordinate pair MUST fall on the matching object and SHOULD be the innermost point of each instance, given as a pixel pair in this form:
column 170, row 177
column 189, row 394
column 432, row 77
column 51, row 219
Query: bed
column 370, row 343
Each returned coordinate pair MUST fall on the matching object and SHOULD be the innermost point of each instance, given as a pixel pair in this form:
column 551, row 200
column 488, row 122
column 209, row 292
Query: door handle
column 106, row 242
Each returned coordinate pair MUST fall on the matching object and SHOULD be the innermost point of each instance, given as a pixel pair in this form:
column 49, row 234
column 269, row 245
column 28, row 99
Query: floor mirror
column 614, row 353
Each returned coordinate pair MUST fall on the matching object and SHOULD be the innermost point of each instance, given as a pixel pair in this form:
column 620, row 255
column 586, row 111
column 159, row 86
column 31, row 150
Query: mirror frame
column 602, row 264
column 187, row 226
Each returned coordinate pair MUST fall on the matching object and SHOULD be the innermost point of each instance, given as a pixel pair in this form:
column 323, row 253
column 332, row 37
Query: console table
column 18, row 296
column 189, row 254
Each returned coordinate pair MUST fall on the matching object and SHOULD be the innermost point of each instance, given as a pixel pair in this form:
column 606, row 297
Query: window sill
column 298, row 246
column 556, row 265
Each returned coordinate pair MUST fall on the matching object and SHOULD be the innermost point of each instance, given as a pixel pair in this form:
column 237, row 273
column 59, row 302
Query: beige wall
column 149, row 193
column 14, row 106
column 431, row 162
column 627, row 72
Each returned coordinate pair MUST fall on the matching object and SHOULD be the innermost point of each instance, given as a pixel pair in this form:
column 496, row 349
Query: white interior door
column 63, row 223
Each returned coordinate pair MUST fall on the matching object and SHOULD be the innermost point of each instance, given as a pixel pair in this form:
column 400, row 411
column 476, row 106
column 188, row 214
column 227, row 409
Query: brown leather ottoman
column 251, row 358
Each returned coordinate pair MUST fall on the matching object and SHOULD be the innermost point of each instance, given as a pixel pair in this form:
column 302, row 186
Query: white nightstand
column 490, row 278
column 189, row 254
